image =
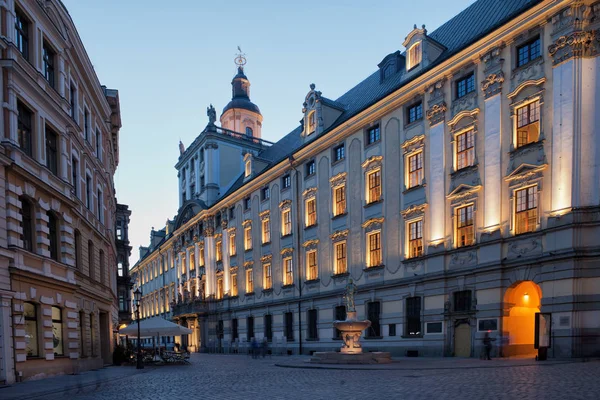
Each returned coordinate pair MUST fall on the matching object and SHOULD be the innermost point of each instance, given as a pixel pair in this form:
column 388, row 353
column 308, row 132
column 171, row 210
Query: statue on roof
column 181, row 148
column 212, row 115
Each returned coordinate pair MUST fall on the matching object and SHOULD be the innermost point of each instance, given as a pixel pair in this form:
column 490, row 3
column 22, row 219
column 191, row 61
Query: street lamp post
column 138, row 298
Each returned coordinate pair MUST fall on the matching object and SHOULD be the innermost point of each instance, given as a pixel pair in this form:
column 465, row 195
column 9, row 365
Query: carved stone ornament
column 338, row 179
column 523, row 247
column 413, row 143
column 415, row 210
column 574, row 45
column 247, row 222
column 492, row 84
column 286, row 251
column 525, row 174
column 310, row 243
column 373, row 223
column 436, row 113
column 264, row 214
column 492, row 60
column 339, row 235
column 285, row 204
column 463, row 259
column 266, row 258
column 463, row 193
column 372, row 162
column 310, row 192
column 436, row 91
column 465, row 103
column 232, row 230
column 248, row 264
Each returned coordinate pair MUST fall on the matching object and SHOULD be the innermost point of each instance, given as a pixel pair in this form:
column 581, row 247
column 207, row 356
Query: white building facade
column 458, row 186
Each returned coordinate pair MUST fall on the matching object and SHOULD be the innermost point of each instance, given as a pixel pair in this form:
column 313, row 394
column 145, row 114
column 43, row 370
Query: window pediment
column 413, row 211
column 463, row 193
column 525, row 174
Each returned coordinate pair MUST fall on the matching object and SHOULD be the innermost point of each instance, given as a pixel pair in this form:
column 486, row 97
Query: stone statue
column 181, row 148
column 349, row 296
column 212, row 115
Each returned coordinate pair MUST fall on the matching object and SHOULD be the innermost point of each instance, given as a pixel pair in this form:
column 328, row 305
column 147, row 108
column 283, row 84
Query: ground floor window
column 374, row 315
column 57, row 331
column 413, row 316
column 269, row 327
column 340, row 315
column 250, row 328
column 31, row 330
column 289, row 326
column 234, row 329
column 312, row 317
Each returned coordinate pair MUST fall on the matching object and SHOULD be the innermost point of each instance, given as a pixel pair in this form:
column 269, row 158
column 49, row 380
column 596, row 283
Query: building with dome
column 458, row 186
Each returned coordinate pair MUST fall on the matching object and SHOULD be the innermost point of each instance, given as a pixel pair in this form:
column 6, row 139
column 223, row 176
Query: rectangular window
column 311, row 168
column 99, row 147
column 373, row 135
column 88, row 192
column 413, row 316
column 340, row 258
column 462, row 300
column 414, row 56
column 311, row 212
column 57, row 331
column 25, row 128
column 86, row 125
column 265, row 193
column 234, row 285
column 51, row 150
column 247, row 203
column 73, row 101
column 288, row 277
column 528, row 123
column 528, row 51
column 340, row 315
column 374, row 247
column 267, row 277
column 289, row 326
column 200, row 258
column 312, row 317
column 415, row 113
column 465, row 149
column 249, row 328
column 75, row 175
column 374, row 186
column 232, row 248
column 374, row 315
column 434, row 327
column 27, row 224
column 249, row 281
column 465, row 85
column 266, row 231
column 339, row 153
column 286, row 182
column 100, row 207
column 219, row 252
column 248, row 238
column 526, row 210
column 269, row 327
column 286, row 222
column 219, row 288
column 311, row 266
column 231, row 212
column 22, row 33
column 31, row 330
column 248, row 168
column 234, row 329
column 339, row 205
column 392, row 330
column 415, row 239
column 217, row 220
column 48, row 57
column 415, row 170
column 465, row 232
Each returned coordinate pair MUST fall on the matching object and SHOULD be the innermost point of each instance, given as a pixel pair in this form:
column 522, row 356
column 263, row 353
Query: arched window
column 27, row 224
column 77, row 245
column 53, row 236
column 57, row 331
column 249, row 131
column 91, row 265
column 312, row 122
column 102, row 267
column 31, row 329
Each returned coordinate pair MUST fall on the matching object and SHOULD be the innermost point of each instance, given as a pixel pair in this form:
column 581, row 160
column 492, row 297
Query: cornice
column 372, row 160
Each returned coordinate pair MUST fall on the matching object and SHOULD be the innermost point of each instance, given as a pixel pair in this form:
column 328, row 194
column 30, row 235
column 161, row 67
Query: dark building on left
column 59, row 151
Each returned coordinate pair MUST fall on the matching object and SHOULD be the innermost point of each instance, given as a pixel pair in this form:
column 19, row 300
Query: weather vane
column 240, row 58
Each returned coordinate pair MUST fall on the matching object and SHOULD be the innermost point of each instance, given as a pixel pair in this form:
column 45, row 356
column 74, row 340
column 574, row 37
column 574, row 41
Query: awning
column 156, row 326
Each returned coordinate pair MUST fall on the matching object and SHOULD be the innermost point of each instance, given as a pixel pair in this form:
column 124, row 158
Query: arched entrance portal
column 522, row 300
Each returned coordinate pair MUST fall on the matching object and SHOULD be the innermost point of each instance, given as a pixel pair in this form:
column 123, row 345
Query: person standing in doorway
column 487, row 344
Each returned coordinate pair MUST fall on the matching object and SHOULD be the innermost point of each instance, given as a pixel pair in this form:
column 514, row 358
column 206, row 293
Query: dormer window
column 312, row 122
column 248, row 168
column 414, row 56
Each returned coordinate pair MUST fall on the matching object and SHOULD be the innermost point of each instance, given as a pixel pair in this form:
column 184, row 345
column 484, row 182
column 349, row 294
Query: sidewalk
column 67, row 383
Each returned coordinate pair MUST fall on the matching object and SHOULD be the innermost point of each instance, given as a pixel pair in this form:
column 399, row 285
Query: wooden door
column 462, row 340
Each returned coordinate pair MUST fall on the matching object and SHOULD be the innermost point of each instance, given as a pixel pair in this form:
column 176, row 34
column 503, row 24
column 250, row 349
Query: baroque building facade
column 458, row 186
column 59, row 151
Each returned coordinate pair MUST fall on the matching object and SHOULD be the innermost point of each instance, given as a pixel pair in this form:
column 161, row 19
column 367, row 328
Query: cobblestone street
column 236, row 376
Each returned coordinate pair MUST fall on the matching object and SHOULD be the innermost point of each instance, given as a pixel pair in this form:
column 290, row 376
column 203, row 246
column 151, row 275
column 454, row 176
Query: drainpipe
column 297, row 240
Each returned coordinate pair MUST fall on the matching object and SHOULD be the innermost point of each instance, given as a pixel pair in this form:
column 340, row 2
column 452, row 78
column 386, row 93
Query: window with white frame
column 234, row 285
column 248, row 237
column 288, row 271
column 341, row 266
column 528, row 123
column 232, row 248
column 201, row 257
column 415, row 238
column 465, row 232
column 465, row 149
column 311, row 212
column 373, row 186
column 249, row 281
column 415, row 170
column 374, row 255
column 286, row 222
column 266, row 230
column 526, row 210
column 414, row 56
column 219, row 252
column 339, row 200
column 220, row 290
column 268, row 278
column 311, row 265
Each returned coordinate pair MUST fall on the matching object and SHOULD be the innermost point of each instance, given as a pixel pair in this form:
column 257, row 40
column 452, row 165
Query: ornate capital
column 373, row 223
column 492, row 84
column 247, row 222
column 266, row 258
column 248, row 264
column 574, row 45
column 286, row 251
column 436, row 113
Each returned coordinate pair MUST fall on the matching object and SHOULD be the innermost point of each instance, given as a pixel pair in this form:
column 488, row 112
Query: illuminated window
column 311, row 212
column 266, row 231
column 248, row 238
column 465, row 149
column 465, row 85
column 414, row 112
column 415, row 170
column 288, row 277
column 374, row 186
column 248, row 168
column 415, row 238
column 268, row 278
column 528, row 123
column 311, row 265
column 249, row 281
column 201, row 258
column 339, row 205
column 526, row 210
column 465, row 235
column 374, row 249
column 414, row 56
column 219, row 288
column 232, row 248
column 286, row 222
column 234, row 285
column 340, row 258
column 528, row 51
column 312, row 122
column 219, row 248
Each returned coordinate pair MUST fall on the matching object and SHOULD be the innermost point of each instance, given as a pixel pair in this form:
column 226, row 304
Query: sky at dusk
column 170, row 63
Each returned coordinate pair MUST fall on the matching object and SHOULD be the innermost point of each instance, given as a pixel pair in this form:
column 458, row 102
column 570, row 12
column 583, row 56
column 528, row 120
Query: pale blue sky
column 170, row 63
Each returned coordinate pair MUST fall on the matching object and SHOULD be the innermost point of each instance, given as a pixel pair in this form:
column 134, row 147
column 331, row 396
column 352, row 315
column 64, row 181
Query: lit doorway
column 521, row 301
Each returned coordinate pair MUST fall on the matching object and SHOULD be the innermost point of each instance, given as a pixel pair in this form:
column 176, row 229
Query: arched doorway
column 462, row 339
column 521, row 301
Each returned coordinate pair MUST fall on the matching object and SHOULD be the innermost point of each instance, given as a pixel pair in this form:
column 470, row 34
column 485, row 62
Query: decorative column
column 178, row 272
column 226, row 256
column 492, row 139
column 209, row 257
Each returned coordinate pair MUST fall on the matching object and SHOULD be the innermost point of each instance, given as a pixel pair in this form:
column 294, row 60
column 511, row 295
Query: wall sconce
column 526, row 297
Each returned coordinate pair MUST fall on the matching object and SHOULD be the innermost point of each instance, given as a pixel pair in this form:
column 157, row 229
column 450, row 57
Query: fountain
column 351, row 329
